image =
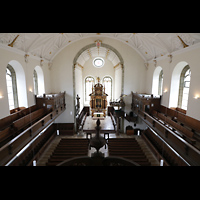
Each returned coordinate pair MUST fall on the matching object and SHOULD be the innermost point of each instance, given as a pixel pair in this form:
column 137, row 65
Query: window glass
column 98, row 62
column 89, row 83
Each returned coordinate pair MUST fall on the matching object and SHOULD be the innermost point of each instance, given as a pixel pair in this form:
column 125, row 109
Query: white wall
column 79, row 84
column 193, row 59
column 62, row 72
column 118, row 82
column 5, row 57
column 90, row 70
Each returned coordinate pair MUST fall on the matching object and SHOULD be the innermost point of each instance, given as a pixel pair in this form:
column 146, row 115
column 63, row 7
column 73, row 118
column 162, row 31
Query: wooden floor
column 106, row 125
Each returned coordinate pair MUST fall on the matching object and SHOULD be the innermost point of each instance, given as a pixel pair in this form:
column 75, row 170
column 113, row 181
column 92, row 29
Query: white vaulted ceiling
column 98, row 52
column 148, row 45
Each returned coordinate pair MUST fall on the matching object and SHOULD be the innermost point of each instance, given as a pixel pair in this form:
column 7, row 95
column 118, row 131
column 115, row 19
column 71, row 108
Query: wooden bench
column 19, row 125
column 161, row 150
column 181, row 117
column 7, row 121
column 183, row 131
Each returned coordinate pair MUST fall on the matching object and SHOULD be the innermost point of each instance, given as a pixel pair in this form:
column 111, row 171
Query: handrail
column 169, row 130
column 53, row 115
column 27, row 145
column 169, row 146
column 22, row 133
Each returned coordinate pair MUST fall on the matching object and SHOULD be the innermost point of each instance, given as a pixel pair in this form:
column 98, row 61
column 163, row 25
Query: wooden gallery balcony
column 24, row 129
column 174, row 127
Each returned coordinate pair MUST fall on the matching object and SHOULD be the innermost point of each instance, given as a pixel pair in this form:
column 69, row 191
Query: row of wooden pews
column 161, row 150
column 183, row 125
column 22, row 129
column 80, row 118
column 68, row 148
column 7, row 121
column 127, row 148
column 18, row 122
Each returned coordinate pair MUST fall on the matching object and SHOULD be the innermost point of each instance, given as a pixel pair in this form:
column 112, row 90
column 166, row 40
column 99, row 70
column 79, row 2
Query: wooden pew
column 7, row 121
column 184, row 132
column 28, row 119
column 165, row 153
column 180, row 116
column 80, row 119
column 19, row 125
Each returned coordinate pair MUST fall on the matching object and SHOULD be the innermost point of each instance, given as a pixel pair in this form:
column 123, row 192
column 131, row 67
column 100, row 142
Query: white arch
column 40, row 75
column 175, row 82
column 155, row 81
column 21, row 83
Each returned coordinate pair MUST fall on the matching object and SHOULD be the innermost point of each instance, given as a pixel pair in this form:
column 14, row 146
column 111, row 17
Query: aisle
column 106, row 125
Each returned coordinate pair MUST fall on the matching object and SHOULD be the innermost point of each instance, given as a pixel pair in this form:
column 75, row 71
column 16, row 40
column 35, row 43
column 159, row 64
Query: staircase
column 131, row 148
column 128, row 148
column 152, row 159
column 68, row 148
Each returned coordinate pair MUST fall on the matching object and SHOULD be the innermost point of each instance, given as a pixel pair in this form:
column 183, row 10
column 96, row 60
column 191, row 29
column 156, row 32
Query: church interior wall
column 59, row 77
column 62, row 72
column 90, row 70
column 79, row 82
column 190, row 57
column 27, row 68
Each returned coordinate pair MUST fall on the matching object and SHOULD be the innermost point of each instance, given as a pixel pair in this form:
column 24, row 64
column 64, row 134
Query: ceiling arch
column 148, row 45
column 105, row 51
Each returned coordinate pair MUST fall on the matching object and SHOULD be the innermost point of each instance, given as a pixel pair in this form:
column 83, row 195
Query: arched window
column 35, row 82
column 157, row 83
column 38, row 81
column 89, row 82
column 11, row 87
column 184, row 87
column 107, row 83
column 160, row 83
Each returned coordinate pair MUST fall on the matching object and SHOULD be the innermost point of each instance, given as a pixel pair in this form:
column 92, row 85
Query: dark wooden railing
column 10, row 151
column 184, row 148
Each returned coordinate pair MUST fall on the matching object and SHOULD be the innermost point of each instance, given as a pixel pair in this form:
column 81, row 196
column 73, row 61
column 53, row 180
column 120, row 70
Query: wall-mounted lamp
column 30, row 90
column 165, row 91
column 1, row 96
column 197, row 97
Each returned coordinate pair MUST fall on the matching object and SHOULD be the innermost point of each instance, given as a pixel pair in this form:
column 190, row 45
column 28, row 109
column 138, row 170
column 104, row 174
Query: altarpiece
column 98, row 102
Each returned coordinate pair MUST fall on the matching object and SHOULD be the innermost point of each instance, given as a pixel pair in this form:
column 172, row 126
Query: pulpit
column 98, row 102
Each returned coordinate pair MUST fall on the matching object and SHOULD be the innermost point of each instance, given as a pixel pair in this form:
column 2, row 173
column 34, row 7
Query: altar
column 98, row 102
column 98, row 115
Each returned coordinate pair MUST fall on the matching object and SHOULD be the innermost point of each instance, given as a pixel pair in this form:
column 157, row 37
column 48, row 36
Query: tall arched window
column 11, row 87
column 184, row 87
column 38, row 81
column 89, row 82
column 157, row 83
column 35, row 82
column 160, row 83
column 107, row 83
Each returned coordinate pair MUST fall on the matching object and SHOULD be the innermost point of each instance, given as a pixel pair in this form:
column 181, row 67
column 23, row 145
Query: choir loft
column 99, row 99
